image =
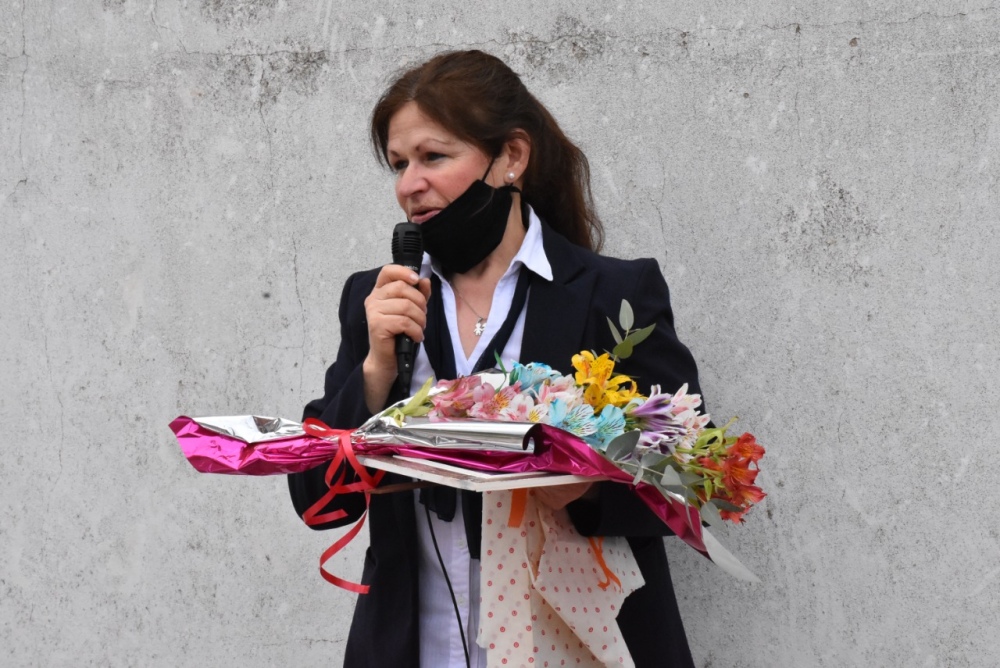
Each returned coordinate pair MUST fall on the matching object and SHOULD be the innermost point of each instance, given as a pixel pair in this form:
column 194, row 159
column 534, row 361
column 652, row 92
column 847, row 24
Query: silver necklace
column 481, row 322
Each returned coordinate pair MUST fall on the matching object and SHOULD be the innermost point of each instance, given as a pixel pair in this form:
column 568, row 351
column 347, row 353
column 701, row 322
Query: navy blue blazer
column 564, row 316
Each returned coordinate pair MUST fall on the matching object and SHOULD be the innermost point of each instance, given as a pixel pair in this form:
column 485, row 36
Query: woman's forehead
column 410, row 126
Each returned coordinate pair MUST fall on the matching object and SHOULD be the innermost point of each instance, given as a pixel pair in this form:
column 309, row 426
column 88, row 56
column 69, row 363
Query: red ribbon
column 365, row 483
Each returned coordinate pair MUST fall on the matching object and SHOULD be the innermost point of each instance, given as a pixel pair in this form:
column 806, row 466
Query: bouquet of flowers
column 659, row 439
column 594, row 423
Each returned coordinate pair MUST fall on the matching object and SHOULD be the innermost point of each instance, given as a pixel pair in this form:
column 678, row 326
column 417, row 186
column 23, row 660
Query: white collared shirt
column 440, row 642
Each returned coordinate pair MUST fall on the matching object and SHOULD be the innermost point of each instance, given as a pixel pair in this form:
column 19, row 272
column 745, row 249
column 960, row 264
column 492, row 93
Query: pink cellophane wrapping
column 541, row 601
column 212, row 452
column 555, row 451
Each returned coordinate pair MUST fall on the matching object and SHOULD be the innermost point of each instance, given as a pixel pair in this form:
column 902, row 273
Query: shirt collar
column 531, row 254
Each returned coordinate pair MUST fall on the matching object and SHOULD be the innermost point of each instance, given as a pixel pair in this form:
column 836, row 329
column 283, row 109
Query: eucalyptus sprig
column 626, row 343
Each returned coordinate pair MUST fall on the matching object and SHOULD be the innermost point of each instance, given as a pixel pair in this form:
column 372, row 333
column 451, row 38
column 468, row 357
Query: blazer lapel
column 556, row 321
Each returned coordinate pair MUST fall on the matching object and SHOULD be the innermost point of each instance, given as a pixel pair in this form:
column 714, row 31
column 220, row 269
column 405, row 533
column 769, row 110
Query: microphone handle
column 407, row 251
column 406, row 353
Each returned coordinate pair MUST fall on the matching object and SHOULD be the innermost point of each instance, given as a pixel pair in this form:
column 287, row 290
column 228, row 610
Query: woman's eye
column 433, row 157
column 399, row 166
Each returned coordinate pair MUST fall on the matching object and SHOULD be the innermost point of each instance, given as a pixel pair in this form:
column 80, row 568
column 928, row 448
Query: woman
column 503, row 198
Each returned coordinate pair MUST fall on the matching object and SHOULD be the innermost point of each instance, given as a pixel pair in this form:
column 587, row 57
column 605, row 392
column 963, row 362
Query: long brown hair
column 480, row 100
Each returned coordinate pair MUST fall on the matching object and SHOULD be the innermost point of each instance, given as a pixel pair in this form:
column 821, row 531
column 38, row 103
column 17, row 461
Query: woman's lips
column 424, row 216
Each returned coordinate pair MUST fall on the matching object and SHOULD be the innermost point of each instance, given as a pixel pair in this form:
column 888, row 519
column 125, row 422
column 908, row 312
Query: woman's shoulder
column 572, row 256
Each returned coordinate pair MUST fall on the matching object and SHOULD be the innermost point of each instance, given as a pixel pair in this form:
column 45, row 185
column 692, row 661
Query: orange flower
column 746, row 496
column 736, row 473
column 746, row 446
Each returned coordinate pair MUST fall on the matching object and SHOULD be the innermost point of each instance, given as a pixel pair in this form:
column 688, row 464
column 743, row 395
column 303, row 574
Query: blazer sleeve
column 660, row 360
column 342, row 405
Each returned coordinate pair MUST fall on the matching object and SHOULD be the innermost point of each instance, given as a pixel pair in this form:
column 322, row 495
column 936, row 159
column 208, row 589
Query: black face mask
column 466, row 231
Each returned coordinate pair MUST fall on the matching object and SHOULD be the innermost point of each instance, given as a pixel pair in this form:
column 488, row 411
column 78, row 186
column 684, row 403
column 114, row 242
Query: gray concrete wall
column 184, row 187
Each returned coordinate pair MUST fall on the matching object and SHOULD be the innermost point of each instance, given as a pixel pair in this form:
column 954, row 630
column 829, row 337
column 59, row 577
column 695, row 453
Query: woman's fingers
column 385, row 326
column 397, row 305
column 396, row 272
column 401, row 291
column 399, row 308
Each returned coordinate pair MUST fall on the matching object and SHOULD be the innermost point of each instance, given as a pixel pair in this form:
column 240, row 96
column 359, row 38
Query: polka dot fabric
column 540, row 600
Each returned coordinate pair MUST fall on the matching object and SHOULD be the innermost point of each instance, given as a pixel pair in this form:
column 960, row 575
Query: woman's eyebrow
column 421, row 145
column 445, row 142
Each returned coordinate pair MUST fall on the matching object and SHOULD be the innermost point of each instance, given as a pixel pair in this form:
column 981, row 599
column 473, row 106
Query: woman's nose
column 410, row 182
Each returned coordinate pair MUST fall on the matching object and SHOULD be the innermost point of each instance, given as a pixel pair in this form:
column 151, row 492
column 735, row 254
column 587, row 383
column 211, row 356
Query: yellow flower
column 593, row 374
column 592, row 370
column 617, row 396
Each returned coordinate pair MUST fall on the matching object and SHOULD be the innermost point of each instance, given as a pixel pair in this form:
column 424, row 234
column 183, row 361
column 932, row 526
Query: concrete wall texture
column 184, row 186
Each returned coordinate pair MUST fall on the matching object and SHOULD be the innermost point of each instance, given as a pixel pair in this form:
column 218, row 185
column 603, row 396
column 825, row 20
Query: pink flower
column 491, row 404
column 564, row 389
column 520, row 409
column 456, row 399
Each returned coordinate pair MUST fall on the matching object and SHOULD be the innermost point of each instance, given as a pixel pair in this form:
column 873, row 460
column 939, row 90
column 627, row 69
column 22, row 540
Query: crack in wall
column 24, row 99
column 840, row 24
column 160, row 27
column 254, row 54
column 302, row 311
column 62, row 412
column 267, row 130
column 558, row 39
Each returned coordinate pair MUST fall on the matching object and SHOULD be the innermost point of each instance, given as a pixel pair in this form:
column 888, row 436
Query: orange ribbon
column 597, row 544
column 365, row 483
column 518, row 500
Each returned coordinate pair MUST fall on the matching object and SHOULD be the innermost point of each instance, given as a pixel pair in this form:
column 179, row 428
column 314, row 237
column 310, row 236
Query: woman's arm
column 375, row 307
column 343, row 403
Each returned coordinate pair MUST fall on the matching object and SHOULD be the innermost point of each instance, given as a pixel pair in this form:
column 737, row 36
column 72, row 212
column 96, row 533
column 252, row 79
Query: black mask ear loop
column 511, row 187
column 506, row 186
column 488, row 168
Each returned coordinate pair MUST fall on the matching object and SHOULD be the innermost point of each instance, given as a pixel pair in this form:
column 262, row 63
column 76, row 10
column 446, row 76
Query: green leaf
column 396, row 415
column 614, row 331
column 640, row 335
column 638, row 477
column 662, row 463
column 496, row 356
column 421, row 411
column 710, row 514
column 622, row 446
column 418, row 399
column 651, row 458
column 689, row 479
column 623, row 350
column 625, row 317
column 670, row 478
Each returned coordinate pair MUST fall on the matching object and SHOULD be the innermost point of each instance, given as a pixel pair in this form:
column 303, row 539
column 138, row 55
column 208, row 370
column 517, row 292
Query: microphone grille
column 407, row 240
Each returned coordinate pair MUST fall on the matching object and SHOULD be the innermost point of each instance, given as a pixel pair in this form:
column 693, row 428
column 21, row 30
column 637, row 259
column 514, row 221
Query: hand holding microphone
column 397, row 306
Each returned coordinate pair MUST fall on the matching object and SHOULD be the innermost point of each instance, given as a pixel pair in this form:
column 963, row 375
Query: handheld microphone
column 408, row 251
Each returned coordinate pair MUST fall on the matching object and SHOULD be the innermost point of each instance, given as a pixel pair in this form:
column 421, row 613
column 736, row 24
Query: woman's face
column 433, row 166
